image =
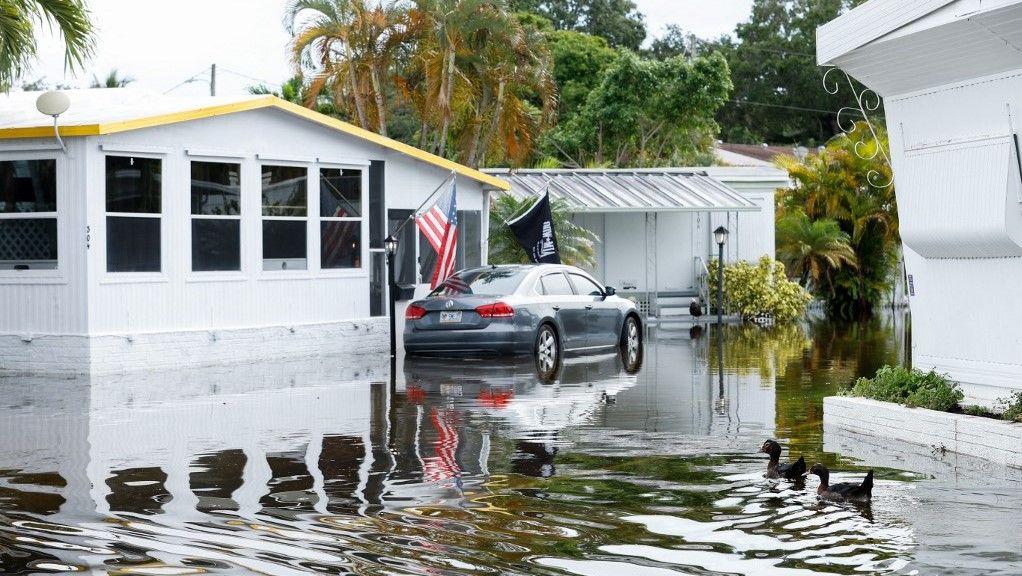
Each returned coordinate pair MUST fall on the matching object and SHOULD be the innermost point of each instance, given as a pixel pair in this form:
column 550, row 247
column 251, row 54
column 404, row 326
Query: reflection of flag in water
column 496, row 398
column 439, row 225
column 444, row 465
column 340, row 242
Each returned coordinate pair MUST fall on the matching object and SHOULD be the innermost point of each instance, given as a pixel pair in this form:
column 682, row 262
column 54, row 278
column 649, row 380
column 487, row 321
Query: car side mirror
column 609, row 291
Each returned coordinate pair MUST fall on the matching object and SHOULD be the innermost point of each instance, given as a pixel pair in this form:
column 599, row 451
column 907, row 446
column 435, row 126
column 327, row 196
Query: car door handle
column 589, row 307
column 556, row 308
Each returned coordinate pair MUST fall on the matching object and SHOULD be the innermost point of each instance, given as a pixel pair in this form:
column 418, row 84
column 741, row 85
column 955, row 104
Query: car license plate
column 450, row 317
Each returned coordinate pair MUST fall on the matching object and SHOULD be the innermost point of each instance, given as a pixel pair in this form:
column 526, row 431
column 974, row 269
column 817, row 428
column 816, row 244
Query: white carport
column 656, row 225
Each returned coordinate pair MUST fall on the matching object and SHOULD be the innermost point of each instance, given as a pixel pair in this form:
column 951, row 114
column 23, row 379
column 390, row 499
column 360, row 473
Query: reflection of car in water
column 512, row 391
column 540, row 309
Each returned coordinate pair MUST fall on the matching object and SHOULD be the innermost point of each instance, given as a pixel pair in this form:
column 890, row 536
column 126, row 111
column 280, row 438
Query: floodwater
column 477, row 467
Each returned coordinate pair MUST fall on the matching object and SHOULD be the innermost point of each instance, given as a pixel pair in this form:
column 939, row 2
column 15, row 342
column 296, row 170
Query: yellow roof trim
column 254, row 104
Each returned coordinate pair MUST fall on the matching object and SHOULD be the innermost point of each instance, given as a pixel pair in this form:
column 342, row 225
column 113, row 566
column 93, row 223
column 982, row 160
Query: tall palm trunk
column 474, row 152
column 355, row 92
column 448, row 87
column 381, row 112
column 498, row 111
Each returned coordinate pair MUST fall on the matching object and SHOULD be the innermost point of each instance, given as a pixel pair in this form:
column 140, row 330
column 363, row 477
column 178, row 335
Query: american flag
column 439, row 225
column 444, row 465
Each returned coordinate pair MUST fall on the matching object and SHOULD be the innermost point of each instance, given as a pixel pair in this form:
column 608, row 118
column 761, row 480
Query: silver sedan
column 541, row 309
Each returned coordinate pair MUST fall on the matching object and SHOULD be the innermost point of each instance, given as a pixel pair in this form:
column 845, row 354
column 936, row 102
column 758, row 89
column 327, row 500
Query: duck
column 790, row 470
column 695, row 308
column 844, row 491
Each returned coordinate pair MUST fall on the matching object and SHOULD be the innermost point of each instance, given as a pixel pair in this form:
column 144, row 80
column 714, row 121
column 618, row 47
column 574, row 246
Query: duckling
column 844, row 491
column 789, row 471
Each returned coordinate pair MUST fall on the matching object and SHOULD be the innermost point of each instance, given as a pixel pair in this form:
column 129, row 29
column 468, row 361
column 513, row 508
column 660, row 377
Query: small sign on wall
column 911, row 286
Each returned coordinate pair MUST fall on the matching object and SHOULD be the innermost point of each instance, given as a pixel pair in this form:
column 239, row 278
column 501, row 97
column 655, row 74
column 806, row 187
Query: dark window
column 216, row 220
column 133, row 185
column 28, row 186
column 284, row 246
column 489, row 281
column 556, row 285
column 285, row 211
column 377, row 216
column 340, row 193
column 285, row 191
column 404, row 259
column 28, row 214
column 586, row 286
column 216, row 245
column 133, row 205
column 132, row 244
column 342, row 243
column 469, row 239
column 216, row 189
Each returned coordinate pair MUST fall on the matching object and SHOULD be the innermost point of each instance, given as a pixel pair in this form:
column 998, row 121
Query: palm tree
column 112, row 80
column 574, row 242
column 18, row 34
column 811, row 250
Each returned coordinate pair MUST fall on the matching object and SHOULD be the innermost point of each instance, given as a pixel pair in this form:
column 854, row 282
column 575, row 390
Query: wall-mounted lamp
column 54, row 103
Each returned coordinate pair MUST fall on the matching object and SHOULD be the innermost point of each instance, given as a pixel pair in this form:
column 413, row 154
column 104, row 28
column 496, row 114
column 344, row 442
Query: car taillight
column 414, row 312
column 495, row 310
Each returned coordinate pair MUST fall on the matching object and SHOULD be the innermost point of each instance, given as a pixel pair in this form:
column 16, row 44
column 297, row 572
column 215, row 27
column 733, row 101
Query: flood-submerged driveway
column 479, row 467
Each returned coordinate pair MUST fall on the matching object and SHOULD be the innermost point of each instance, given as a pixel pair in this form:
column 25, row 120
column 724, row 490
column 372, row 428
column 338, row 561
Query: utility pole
column 212, row 80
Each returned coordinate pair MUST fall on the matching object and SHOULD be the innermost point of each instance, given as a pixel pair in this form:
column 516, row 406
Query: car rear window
column 488, row 281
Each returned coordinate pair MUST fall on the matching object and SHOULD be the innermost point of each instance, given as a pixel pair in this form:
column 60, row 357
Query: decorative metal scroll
column 866, row 101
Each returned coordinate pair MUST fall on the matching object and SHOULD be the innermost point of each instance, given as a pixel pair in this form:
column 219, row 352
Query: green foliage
column 647, row 112
column 913, row 388
column 19, row 34
column 768, row 352
column 773, row 64
column 579, row 62
column 1013, row 407
column 575, row 242
column 112, row 80
column 835, row 184
column 811, row 250
column 617, row 21
column 754, row 290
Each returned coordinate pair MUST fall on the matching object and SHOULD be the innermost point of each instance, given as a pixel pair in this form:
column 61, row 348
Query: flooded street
column 478, row 467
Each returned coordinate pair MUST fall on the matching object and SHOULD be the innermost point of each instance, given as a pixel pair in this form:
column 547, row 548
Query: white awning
column 648, row 190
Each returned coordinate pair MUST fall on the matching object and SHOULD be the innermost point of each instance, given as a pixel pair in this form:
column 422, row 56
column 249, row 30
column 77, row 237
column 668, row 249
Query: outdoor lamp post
column 720, row 235
column 390, row 245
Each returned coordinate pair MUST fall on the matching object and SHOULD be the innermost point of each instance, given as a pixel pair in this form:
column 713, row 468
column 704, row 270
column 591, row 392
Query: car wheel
column 548, row 352
column 631, row 344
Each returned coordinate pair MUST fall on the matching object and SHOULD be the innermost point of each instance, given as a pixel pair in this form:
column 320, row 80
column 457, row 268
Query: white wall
column 958, row 192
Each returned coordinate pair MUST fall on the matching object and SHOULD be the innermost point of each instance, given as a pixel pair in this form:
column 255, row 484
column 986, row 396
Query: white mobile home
column 950, row 73
column 200, row 231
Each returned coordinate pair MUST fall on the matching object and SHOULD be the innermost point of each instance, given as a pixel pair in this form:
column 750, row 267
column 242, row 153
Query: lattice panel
column 28, row 239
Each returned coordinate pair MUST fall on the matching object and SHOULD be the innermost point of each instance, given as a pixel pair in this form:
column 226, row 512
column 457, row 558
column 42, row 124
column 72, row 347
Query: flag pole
column 453, row 174
column 546, row 192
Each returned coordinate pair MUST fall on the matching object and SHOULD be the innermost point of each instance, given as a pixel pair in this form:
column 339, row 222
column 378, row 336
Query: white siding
column 51, row 305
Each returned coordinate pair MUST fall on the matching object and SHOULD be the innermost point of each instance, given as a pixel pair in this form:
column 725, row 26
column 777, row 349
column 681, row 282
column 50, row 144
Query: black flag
column 535, row 232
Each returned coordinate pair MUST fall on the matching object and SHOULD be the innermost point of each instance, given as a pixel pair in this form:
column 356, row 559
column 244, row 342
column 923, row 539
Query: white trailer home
column 950, row 74
column 203, row 231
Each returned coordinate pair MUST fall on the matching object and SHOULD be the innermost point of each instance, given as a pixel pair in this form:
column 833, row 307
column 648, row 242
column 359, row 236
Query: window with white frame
column 216, row 217
column 340, row 216
column 134, row 207
column 285, row 217
column 28, row 214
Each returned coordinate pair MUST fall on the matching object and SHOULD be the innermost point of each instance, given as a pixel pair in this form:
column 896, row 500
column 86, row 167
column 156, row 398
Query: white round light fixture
column 53, row 103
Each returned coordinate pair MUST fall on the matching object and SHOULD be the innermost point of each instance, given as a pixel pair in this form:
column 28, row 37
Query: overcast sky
column 162, row 44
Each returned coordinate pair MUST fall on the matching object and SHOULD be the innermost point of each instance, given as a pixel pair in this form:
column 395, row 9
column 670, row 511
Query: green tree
column 779, row 94
column 112, row 80
column 618, row 21
column 19, row 36
column 811, row 250
column 576, row 244
column 579, row 63
column 851, row 182
column 673, row 42
column 647, row 112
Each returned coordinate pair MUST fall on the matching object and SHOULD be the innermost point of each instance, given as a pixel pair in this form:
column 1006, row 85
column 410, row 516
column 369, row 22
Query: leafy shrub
column 753, row 290
column 913, row 388
column 1013, row 407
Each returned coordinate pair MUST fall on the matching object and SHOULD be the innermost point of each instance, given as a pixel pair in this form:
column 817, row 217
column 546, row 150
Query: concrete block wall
column 170, row 350
column 933, row 431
